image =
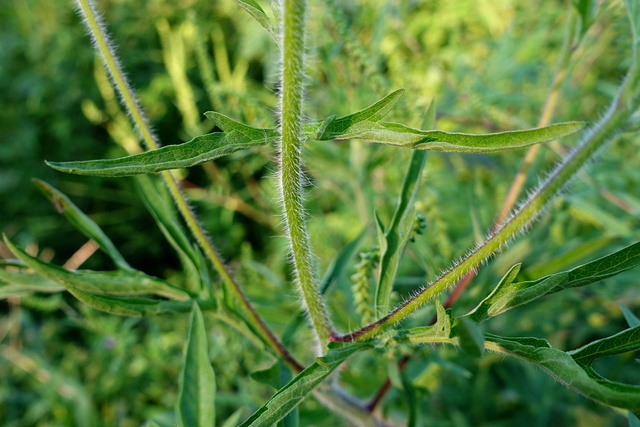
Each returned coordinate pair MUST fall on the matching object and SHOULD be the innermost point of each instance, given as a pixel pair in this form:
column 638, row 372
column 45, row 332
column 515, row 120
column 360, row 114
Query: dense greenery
column 487, row 64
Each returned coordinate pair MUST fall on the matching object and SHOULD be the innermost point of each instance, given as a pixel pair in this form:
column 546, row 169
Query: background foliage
column 487, row 64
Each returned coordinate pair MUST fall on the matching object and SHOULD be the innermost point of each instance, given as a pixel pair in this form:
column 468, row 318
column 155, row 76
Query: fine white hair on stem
column 103, row 44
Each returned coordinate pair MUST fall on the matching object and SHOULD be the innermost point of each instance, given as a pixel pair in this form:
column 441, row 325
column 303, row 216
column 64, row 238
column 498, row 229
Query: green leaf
column 197, row 386
column 82, row 222
column 18, row 284
column 586, row 11
column 199, row 150
column 398, row 233
column 121, row 282
column 161, row 207
column 470, row 338
column 508, row 294
column 633, row 12
column 631, row 318
column 634, row 421
column 440, row 332
column 254, row 9
column 332, row 127
column 289, row 396
column 404, row 136
column 564, row 368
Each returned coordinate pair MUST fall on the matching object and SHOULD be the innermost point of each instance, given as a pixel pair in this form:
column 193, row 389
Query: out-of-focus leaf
column 634, row 421
column 19, row 283
column 572, row 368
column 254, row 9
column 120, row 282
column 586, row 10
column 161, row 207
column 199, row 150
column 508, row 294
column 233, row 420
column 197, row 385
column 82, row 222
column 289, row 396
column 397, row 234
column 633, row 12
column 440, row 332
column 631, row 318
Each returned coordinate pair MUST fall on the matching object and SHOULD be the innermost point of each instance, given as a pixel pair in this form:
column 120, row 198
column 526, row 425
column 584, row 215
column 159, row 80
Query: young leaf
column 508, row 295
column 197, row 386
column 563, row 367
column 199, row 150
column 440, row 332
column 436, row 140
column 120, row 282
column 289, row 396
column 254, row 9
column 470, row 337
column 82, row 222
column 161, row 208
column 332, row 127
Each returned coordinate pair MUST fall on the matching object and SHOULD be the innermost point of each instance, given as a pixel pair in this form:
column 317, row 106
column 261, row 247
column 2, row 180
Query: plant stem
column 291, row 174
column 609, row 126
column 99, row 35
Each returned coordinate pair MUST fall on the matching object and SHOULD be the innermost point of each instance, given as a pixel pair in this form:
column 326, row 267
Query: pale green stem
column 596, row 138
column 291, row 174
column 137, row 115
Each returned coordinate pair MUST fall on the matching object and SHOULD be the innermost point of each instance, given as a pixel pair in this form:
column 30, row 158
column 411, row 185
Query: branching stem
column 99, row 35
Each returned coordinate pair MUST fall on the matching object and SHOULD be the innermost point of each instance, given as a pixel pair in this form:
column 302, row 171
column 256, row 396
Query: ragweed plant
column 130, row 292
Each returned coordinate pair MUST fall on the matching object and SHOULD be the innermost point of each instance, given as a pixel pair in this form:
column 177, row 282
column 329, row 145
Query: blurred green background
column 487, row 64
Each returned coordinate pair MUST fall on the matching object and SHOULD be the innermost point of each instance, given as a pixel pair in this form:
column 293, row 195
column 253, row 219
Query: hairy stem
column 291, row 174
column 100, row 38
column 597, row 137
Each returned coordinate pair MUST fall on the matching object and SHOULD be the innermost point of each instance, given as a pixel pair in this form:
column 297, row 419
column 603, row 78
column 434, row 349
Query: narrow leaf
column 398, row 233
column 121, row 282
column 199, row 150
column 407, row 137
column 631, row 318
column 508, row 295
column 82, row 222
column 17, row 283
column 565, row 369
column 331, row 127
column 197, row 386
column 254, row 9
column 622, row 342
column 289, row 396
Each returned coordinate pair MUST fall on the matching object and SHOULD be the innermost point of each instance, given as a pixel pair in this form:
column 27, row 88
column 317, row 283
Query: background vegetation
column 488, row 65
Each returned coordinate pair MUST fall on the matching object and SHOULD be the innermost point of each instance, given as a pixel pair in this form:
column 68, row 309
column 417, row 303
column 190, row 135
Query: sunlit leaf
column 199, row 150
column 509, row 294
column 197, row 385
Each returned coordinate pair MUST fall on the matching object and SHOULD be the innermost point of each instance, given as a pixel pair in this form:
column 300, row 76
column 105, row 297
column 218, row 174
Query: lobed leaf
column 199, row 150
column 289, row 396
column 197, row 385
column 82, row 222
column 120, row 282
column 508, row 294
column 566, row 369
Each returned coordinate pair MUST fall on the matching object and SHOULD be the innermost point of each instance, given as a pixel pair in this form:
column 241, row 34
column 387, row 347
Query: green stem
column 291, row 175
column 596, row 138
column 99, row 35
